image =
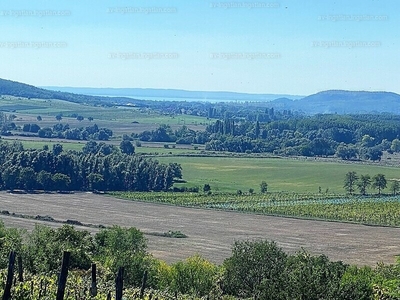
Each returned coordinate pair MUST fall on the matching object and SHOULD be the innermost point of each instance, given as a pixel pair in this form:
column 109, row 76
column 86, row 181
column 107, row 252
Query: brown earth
column 210, row 233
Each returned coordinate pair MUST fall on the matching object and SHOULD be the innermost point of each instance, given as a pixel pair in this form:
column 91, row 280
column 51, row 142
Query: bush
column 256, row 269
column 194, row 276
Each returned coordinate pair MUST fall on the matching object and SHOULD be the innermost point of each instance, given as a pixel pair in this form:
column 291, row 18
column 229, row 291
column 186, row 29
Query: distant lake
column 180, row 99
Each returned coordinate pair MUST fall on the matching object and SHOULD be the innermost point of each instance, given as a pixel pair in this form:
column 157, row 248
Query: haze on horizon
column 277, row 47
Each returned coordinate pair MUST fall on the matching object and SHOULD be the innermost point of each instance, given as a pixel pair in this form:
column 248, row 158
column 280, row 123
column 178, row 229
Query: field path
column 210, row 233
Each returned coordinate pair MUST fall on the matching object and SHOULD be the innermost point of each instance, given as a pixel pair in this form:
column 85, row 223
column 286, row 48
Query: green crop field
column 229, row 174
column 382, row 210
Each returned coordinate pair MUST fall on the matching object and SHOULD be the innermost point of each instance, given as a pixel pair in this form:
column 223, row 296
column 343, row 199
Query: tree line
column 97, row 167
column 378, row 182
column 346, row 136
column 257, row 269
column 63, row 131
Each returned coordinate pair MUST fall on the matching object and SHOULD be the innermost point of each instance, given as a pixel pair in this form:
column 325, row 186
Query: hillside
column 173, row 93
column 331, row 101
column 17, row 89
column 344, row 102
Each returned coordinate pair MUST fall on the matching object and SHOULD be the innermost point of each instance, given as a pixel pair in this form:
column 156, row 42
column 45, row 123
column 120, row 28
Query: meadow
column 229, row 174
column 122, row 120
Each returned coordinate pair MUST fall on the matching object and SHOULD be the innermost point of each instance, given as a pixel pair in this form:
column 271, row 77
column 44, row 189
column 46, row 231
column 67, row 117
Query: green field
column 225, row 174
column 119, row 119
column 229, row 174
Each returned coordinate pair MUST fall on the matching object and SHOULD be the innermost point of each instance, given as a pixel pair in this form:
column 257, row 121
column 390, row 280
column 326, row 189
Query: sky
column 280, row 47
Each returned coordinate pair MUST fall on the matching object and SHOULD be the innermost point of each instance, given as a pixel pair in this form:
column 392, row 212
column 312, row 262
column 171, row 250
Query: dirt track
column 210, row 233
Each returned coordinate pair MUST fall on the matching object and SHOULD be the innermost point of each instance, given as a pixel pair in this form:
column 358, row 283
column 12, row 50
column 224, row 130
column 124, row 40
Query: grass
column 228, row 174
column 66, row 146
column 118, row 119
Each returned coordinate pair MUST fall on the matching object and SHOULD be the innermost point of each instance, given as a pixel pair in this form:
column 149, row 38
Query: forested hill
column 17, row 89
column 344, row 102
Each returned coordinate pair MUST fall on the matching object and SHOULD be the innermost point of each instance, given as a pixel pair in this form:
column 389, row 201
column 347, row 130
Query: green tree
column 379, row 182
column 117, row 246
column 57, row 149
column 27, row 178
column 394, row 187
column 256, row 269
column 395, row 146
column 61, row 181
column 95, row 181
column 39, row 118
column 11, row 239
column 313, row 277
column 363, row 183
column 44, row 247
column 59, row 117
column 350, row 181
column 356, row 283
column 206, row 188
column 45, row 179
column 10, row 177
column 127, row 147
column 263, row 187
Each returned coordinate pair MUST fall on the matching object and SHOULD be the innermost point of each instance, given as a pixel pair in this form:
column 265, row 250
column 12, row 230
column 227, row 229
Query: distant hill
column 343, row 102
column 17, row 89
column 332, row 101
column 173, row 93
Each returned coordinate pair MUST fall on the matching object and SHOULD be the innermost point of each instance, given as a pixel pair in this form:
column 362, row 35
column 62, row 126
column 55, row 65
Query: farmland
column 229, row 174
column 381, row 211
column 210, row 233
column 299, row 187
column 119, row 119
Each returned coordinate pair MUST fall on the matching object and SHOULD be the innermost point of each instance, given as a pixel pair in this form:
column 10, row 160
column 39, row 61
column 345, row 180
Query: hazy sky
column 294, row 46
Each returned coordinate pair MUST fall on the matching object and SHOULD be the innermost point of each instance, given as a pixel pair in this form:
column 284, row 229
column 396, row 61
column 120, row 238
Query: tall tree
column 263, row 187
column 379, row 182
column 394, row 187
column 127, row 147
column 363, row 183
column 350, row 181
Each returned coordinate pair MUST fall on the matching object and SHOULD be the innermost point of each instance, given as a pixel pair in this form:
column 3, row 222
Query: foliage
column 10, row 239
column 194, row 276
column 379, row 182
column 44, row 247
column 116, row 247
column 92, row 132
column 256, row 269
column 350, row 181
column 95, row 168
column 263, row 187
column 364, row 182
column 313, row 277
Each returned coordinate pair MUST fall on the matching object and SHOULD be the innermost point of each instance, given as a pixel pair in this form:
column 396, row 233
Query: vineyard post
column 93, row 287
column 20, row 269
column 10, row 275
column 144, row 279
column 62, row 280
column 119, row 284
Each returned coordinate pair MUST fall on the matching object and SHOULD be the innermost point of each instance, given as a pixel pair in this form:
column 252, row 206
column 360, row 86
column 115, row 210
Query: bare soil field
column 210, row 233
